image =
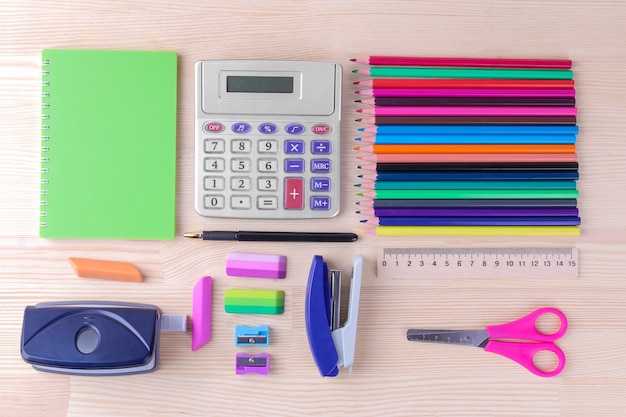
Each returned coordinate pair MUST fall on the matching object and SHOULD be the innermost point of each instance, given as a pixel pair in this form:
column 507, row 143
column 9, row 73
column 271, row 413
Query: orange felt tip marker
column 112, row 270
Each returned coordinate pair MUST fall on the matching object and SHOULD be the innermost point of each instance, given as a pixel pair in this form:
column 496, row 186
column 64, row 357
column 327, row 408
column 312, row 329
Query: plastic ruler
column 527, row 263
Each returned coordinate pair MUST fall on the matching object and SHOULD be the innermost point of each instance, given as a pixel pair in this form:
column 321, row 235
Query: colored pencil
column 482, row 185
column 465, row 194
column 464, row 62
column 467, row 92
column 476, row 221
column 473, row 230
column 497, row 73
column 470, row 130
column 531, row 203
column 566, row 174
column 468, row 211
column 492, row 148
column 471, row 166
column 382, row 139
column 469, row 101
column 468, row 111
column 470, row 120
column 467, row 157
column 463, row 83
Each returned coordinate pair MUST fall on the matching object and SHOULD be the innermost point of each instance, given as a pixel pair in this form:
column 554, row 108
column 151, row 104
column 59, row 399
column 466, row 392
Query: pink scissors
column 522, row 343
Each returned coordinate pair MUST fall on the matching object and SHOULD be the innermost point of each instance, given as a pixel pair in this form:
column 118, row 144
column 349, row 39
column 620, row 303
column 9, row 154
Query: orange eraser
column 118, row 271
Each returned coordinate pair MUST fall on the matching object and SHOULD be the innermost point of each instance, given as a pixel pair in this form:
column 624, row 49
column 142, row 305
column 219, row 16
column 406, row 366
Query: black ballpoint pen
column 252, row 236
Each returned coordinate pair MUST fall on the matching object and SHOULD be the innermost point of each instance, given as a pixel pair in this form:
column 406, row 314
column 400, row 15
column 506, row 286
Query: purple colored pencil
column 469, row 211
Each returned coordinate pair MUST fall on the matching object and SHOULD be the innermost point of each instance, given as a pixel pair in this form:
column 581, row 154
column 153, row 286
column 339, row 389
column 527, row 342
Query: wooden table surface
column 391, row 376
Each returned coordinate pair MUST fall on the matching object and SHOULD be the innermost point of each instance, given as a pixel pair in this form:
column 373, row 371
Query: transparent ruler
column 527, row 263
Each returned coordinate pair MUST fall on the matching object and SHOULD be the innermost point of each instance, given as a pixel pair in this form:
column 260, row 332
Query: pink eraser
column 201, row 318
column 256, row 266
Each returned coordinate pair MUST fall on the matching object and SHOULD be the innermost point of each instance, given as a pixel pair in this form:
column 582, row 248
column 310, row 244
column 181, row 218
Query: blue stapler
column 95, row 338
column 332, row 346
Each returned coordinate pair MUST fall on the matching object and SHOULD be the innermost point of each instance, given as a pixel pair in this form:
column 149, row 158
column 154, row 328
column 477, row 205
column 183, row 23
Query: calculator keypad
column 268, row 170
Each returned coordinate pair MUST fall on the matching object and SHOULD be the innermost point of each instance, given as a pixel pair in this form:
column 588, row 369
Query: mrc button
column 213, row 127
column 321, row 129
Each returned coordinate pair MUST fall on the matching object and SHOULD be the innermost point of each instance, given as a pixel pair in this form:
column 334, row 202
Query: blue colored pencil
column 478, row 185
column 471, row 130
column 470, row 139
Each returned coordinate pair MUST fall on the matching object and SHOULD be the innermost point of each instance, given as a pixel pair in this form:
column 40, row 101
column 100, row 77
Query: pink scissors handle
column 526, row 327
column 523, row 353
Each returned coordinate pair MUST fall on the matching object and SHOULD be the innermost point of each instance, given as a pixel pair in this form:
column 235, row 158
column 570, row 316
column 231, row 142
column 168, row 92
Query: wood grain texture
column 391, row 376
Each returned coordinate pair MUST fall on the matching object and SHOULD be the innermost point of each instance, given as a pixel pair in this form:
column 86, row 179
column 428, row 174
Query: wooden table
column 391, row 376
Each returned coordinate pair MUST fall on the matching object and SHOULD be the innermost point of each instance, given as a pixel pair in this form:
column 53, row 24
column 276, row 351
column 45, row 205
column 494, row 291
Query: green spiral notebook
column 108, row 167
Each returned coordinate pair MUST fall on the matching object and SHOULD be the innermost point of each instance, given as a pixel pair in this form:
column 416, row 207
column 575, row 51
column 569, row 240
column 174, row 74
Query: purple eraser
column 256, row 266
column 201, row 319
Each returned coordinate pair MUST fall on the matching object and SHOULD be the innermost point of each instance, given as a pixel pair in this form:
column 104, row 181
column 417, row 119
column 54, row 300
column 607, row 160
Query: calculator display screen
column 259, row 84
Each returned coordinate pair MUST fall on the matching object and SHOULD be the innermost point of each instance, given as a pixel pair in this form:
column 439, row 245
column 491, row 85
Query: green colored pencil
column 493, row 73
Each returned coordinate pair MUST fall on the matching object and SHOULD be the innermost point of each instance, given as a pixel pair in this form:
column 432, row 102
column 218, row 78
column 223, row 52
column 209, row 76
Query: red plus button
column 294, row 190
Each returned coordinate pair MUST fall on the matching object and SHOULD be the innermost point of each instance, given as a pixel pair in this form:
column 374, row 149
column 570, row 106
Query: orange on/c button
column 294, row 190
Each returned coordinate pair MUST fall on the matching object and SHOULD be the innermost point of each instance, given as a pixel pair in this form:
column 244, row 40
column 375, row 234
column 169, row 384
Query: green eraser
column 246, row 301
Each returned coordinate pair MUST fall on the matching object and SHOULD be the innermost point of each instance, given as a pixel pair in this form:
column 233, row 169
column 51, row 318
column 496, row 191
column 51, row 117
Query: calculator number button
column 213, row 127
column 268, row 128
column 268, row 165
column 294, row 165
column 241, row 128
column 320, row 147
column 294, row 190
column 320, row 166
column 267, row 203
column 240, row 183
column 241, row 202
column 267, row 184
column 241, row 165
column 241, row 146
column 214, row 202
column 214, row 145
column 294, row 146
column 214, row 183
column 268, row 146
column 294, row 128
column 214, row 164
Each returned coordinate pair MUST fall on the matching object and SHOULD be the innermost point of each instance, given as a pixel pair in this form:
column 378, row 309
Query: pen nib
column 193, row 235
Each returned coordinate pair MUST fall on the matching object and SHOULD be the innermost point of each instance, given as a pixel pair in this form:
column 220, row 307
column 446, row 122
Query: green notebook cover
column 108, row 165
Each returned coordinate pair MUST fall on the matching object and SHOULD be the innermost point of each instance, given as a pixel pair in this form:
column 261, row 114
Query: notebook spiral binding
column 45, row 138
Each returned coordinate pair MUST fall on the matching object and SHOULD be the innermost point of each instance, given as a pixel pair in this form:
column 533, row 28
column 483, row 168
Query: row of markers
column 467, row 146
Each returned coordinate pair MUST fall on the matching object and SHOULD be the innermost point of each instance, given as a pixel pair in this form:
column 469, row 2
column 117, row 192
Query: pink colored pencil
column 425, row 158
column 467, row 92
column 464, row 62
column 468, row 111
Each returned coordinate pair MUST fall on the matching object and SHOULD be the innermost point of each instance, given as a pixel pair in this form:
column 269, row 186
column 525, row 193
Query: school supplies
column 268, row 139
column 480, row 263
column 521, row 340
column 252, row 336
column 112, row 270
column 332, row 345
column 256, row 265
column 476, row 129
column 254, row 236
column 202, row 305
column 252, row 364
column 108, row 167
column 248, row 301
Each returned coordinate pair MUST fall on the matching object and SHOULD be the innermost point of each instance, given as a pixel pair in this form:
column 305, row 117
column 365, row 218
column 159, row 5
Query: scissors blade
column 477, row 338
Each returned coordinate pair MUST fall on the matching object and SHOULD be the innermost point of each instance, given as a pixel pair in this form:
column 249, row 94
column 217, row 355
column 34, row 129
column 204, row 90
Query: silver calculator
column 268, row 139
